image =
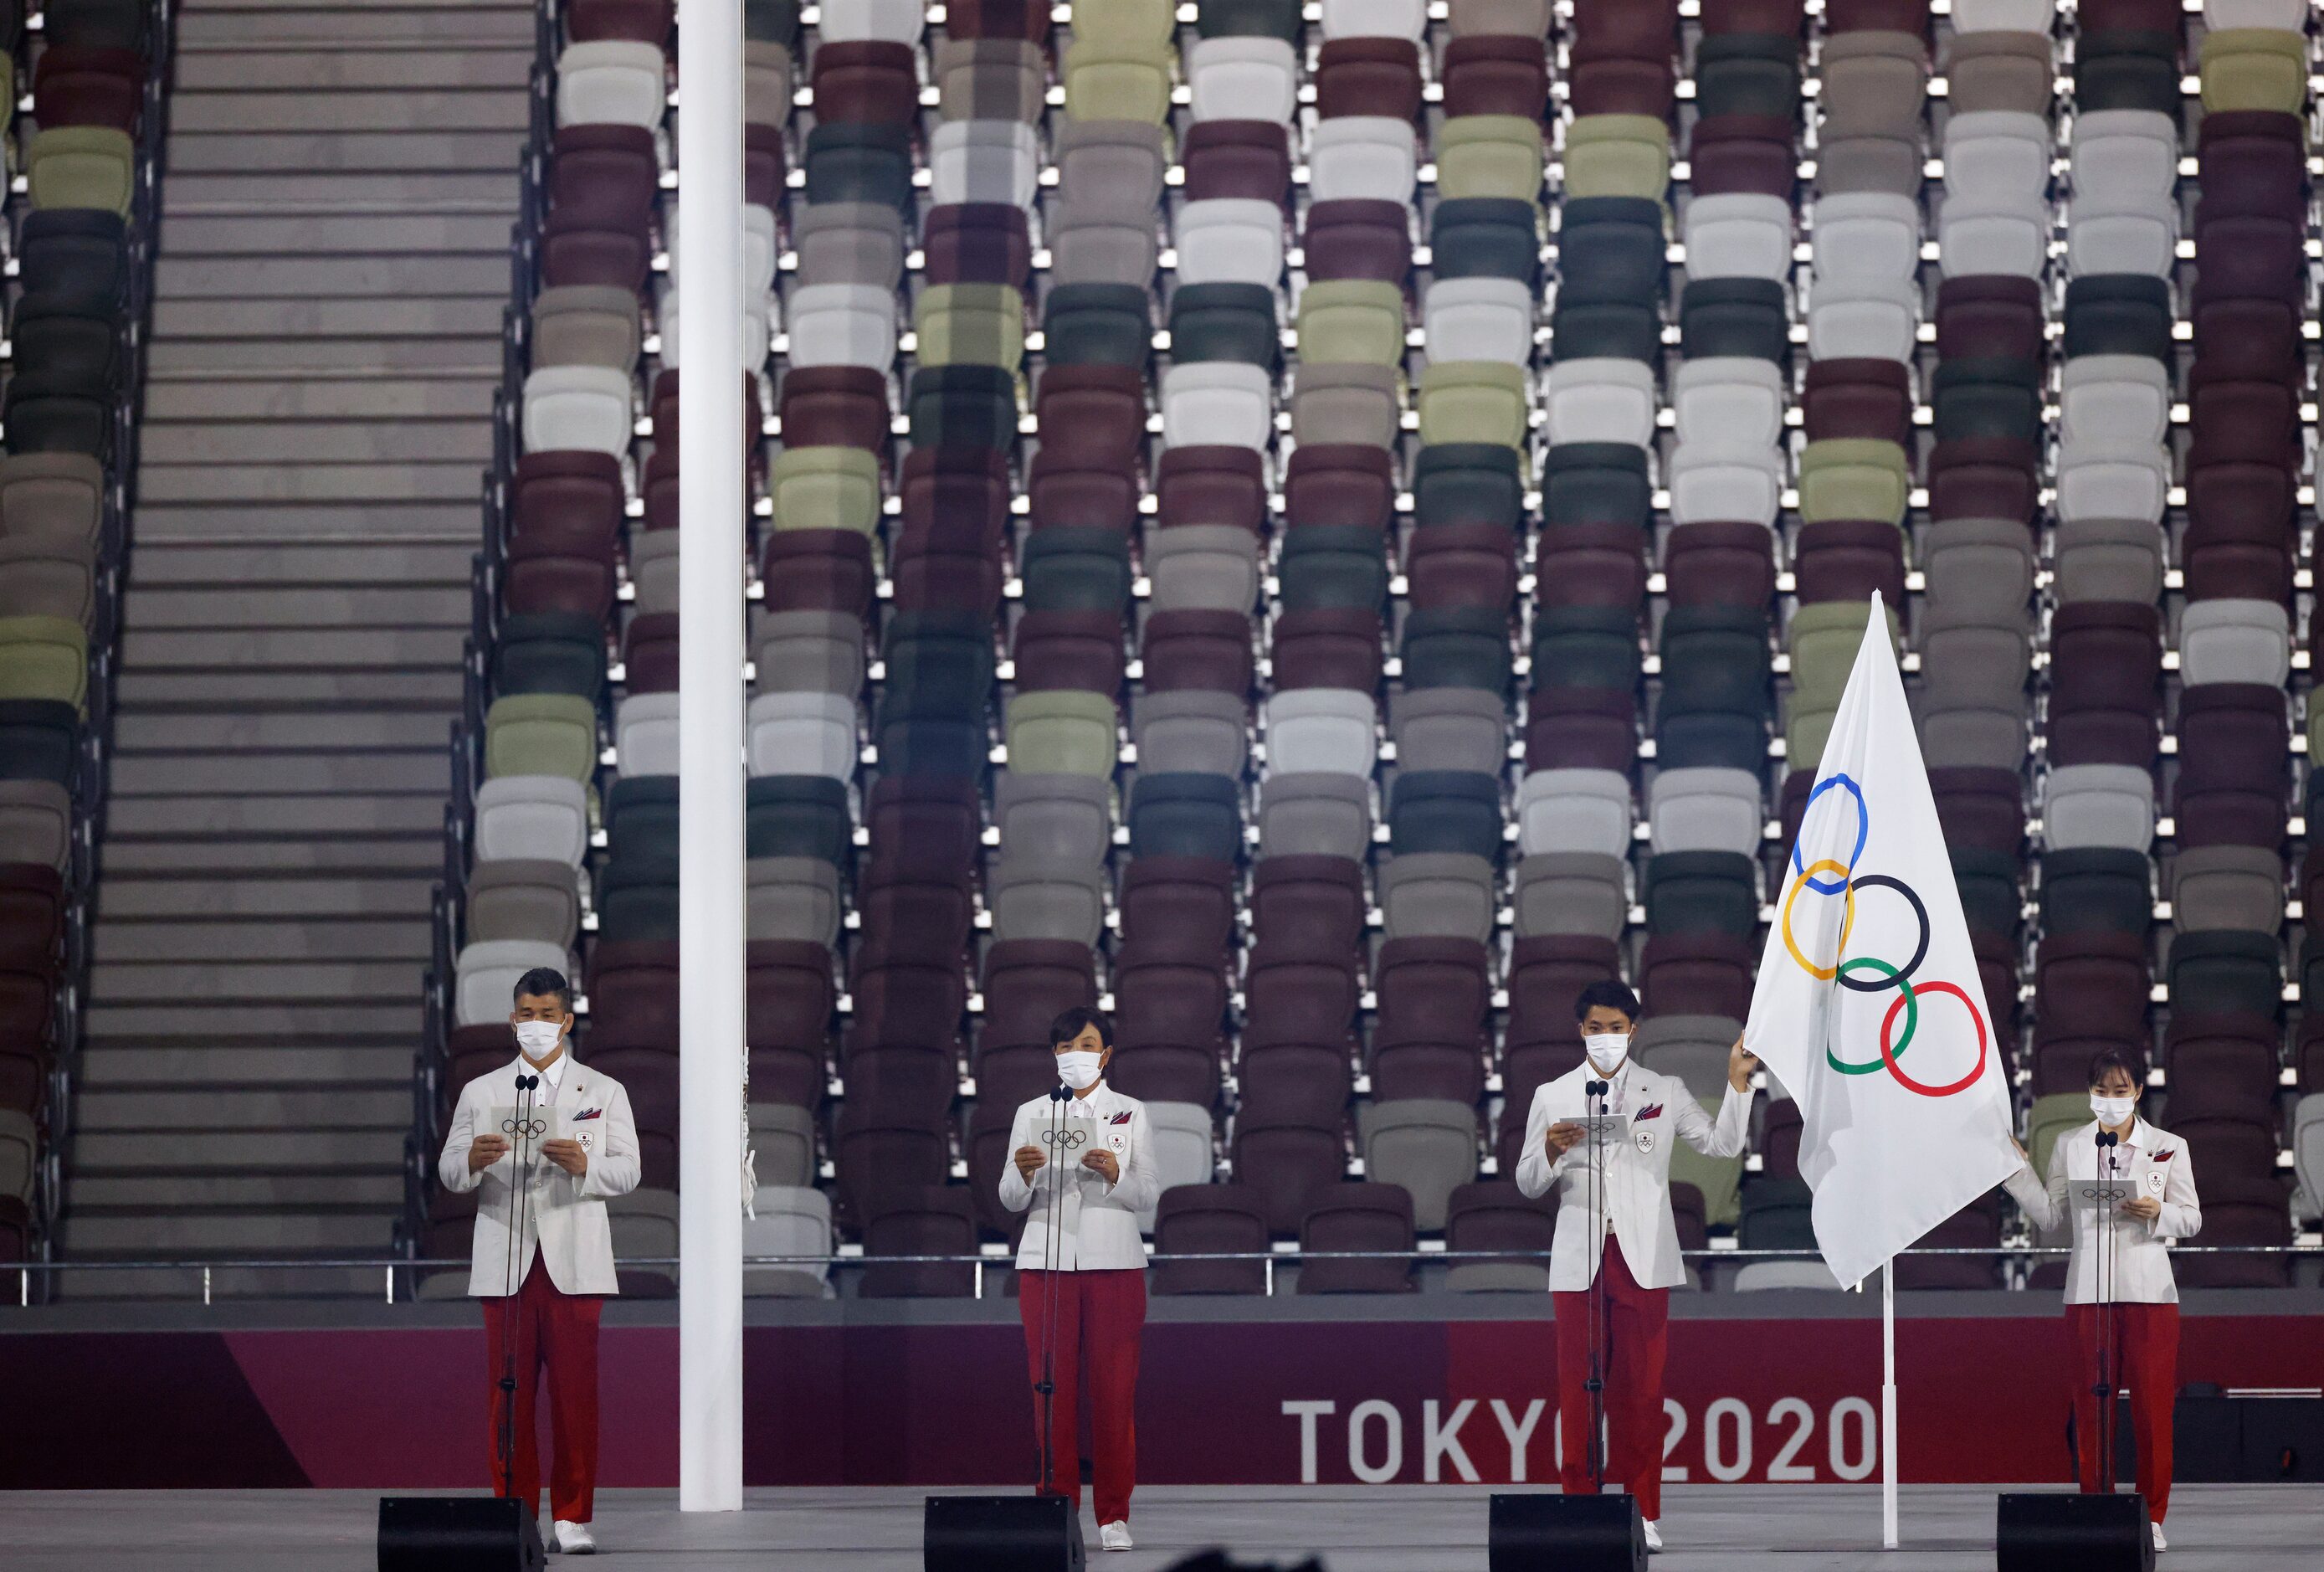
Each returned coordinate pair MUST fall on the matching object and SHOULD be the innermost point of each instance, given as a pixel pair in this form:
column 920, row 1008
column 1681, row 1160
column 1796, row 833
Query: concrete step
column 328, row 562
column 301, row 237
column 178, row 1235
column 328, row 69
column 147, row 943
column 451, row 523
column 307, row 981
column 466, row 399
column 297, row 1150
column 458, row 480
column 395, row 1022
column 274, row 279
column 306, row 443
column 216, row 360
column 304, row 605
column 436, row 692
column 365, row 731
column 439, row 195
column 159, row 1194
column 204, row 29
column 354, row 150
column 420, row 853
column 431, row 314
column 136, row 901
column 247, row 1108
column 358, row 818
column 349, row 649
column 206, row 775
column 340, row 113
column 225, row 1065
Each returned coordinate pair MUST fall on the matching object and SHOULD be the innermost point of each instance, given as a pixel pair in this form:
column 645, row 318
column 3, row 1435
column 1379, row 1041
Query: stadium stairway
column 333, row 265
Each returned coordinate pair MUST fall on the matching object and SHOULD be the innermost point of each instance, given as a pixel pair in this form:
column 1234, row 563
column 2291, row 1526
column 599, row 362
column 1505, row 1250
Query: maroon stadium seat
column 1237, row 158
column 1712, row 563
column 935, row 1219
column 1381, row 76
column 1488, row 74
column 1339, row 483
column 1356, row 239
column 1358, row 1217
column 1328, row 647
column 1226, row 1219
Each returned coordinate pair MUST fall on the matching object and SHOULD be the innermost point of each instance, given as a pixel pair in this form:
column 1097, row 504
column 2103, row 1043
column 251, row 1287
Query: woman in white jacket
column 2119, row 1281
column 1081, row 1159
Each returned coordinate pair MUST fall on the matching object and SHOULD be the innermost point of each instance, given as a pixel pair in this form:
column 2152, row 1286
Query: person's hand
column 2145, row 1208
column 1740, row 1065
column 1101, row 1161
column 568, row 1155
column 486, row 1151
column 1030, row 1161
column 1559, row 1138
column 2022, row 1155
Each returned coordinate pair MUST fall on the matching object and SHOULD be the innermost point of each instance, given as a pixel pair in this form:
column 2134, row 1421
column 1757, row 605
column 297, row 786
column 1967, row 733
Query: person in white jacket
column 1082, row 1160
column 1614, row 1220
column 2118, row 1279
column 544, row 1286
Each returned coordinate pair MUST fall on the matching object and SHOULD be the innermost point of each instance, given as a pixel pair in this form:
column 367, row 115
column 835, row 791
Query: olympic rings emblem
column 1068, row 1140
column 1848, row 971
column 525, row 1128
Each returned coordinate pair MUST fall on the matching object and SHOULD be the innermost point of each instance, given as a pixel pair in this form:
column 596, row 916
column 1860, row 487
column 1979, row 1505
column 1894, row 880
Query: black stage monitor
column 456, row 1533
column 1002, row 1533
column 2052, row 1532
column 1566, row 1534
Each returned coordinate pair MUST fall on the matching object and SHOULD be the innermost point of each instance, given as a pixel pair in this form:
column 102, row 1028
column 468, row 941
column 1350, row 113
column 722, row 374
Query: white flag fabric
column 1867, row 1007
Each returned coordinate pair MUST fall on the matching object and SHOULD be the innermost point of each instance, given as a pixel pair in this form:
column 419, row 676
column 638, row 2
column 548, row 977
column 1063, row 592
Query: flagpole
column 1888, row 1404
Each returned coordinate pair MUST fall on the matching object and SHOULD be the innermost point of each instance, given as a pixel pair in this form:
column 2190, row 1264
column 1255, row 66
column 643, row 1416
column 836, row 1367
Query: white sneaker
column 2160, row 1542
column 573, row 1539
column 1653, row 1538
column 1113, row 1536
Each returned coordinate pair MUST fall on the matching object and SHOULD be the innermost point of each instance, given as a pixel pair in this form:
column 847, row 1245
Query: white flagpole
column 1888, row 1405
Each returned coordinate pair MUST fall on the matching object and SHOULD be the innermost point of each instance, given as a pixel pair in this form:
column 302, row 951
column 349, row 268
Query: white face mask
column 538, row 1039
column 1606, row 1050
column 2112, row 1110
column 1078, row 1069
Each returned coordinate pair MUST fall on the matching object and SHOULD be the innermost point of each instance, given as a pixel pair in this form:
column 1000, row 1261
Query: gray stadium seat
column 1191, row 731
column 1320, row 730
column 796, row 733
column 787, row 1220
column 793, row 898
column 1054, row 816
column 486, row 974
column 645, row 732
column 1045, row 897
column 1314, row 814
column 1572, row 892
column 1426, row 1144
column 1574, row 810
column 1705, row 809
column 2235, row 641
column 2099, row 805
column 1437, row 894
column 1450, row 728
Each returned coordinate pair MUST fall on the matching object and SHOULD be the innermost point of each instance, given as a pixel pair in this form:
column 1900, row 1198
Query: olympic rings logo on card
column 1828, row 876
column 525, row 1128
column 1068, row 1140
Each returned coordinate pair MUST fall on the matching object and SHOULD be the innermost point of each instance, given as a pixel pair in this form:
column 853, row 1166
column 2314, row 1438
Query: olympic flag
column 1867, row 1007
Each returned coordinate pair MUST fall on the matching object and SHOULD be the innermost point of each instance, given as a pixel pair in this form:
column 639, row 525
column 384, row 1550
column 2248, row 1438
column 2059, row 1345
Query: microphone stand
column 524, row 1084
column 1053, row 1244
column 1594, row 1094
column 2102, row 1444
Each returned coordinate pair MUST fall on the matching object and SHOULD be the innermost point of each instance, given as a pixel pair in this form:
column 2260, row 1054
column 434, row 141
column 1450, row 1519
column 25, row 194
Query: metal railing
column 389, row 1267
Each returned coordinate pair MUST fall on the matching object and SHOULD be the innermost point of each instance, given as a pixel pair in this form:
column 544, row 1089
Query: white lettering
column 1723, row 1468
column 1358, row 1464
column 1443, row 1441
column 1861, row 1466
column 1782, row 1470
column 1307, row 1411
column 1518, row 1434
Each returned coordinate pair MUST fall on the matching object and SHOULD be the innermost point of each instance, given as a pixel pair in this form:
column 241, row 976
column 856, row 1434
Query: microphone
column 1059, row 1093
column 1593, row 1088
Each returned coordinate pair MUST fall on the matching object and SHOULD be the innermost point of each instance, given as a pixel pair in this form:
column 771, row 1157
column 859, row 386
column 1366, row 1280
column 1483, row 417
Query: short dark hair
column 1607, row 994
column 2107, row 1061
column 540, row 983
column 1073, row 1021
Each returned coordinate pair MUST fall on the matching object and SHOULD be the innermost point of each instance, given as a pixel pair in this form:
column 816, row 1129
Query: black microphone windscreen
column 1058, row 1094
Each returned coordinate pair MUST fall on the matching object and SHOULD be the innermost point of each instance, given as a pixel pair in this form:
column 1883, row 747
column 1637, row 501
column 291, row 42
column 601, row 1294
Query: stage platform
column 1385, row 1529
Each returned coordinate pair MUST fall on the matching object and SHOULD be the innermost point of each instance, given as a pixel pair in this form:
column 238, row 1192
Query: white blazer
column 1633, row 1194
column 564, row 1216
column 2157, row 1164
column 1098, row 1225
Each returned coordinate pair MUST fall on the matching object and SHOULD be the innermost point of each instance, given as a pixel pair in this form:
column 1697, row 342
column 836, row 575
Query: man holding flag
column 1868, row 1006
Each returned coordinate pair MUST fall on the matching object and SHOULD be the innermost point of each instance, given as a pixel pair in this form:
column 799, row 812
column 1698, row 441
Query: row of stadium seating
column 77, row 230
column 1361, row 656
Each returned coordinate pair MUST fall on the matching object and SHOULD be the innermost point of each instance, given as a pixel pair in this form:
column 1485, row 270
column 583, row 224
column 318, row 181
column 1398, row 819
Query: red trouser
column 1636, row 1341
column 1099, row 1315
column 557, row 1329
column 2145, row 1357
